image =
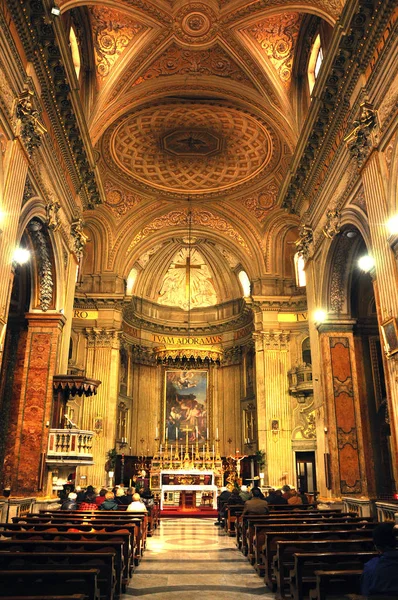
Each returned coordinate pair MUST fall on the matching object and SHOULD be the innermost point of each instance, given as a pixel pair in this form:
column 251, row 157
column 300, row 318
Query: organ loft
column 198, row 248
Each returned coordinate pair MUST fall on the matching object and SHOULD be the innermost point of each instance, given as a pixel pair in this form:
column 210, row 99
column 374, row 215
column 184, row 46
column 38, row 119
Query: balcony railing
column 300, row 380
column 70, row 447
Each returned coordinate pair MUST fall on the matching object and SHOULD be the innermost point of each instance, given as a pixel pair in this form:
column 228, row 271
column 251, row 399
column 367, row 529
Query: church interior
column 198, row 248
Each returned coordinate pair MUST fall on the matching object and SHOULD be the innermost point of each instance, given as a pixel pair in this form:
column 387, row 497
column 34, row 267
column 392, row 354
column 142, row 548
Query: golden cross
column 187, row 268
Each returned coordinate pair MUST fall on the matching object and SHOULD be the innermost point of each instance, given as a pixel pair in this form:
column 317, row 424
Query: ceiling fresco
column 194, row 100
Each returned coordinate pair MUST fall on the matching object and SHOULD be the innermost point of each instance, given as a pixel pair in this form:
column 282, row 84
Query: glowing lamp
column 21, row 256
column 366, row 263
column 319, row 315
column 392, row 225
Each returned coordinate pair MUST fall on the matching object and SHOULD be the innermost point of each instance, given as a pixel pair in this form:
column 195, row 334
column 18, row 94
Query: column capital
column 273, row 340
column 102, row 338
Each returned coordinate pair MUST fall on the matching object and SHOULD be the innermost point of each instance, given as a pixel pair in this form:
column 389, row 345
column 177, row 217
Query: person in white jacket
column 137, row 505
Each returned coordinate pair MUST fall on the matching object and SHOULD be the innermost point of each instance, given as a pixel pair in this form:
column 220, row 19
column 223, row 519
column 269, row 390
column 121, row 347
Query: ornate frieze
column 333, row 221
column 31, row 128
column 79, row 237
column 277, row 36
column 43, row 257
column 363, row 137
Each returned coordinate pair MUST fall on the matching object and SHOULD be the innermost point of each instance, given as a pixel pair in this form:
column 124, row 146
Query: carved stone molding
column 195, row 23
column 79, row 237
column 364, row 135
column 333, row 223
column 102, row 338
column 232, row 356
column 31, row 129
column 142, row 355
column 43, row 256
column 337, row 292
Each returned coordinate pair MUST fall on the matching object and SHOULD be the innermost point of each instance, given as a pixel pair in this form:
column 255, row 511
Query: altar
column 200, row 483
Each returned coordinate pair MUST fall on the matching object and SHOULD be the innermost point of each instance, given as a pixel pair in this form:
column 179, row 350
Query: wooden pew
column 302, row 575
column 40, row 583
column 135, row 526
column 242, row 521
column 104, row 562
column 67, row 597
column 256, row 552
column 232, row 513
column 250, row 521
column 307, row 540
column 23, row 542
column 329, row 583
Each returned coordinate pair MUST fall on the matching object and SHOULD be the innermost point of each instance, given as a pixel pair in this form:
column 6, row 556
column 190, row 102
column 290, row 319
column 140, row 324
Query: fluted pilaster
column 103, row 364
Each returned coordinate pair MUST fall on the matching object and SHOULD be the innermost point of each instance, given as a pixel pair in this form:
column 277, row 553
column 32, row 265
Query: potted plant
column 110, row 464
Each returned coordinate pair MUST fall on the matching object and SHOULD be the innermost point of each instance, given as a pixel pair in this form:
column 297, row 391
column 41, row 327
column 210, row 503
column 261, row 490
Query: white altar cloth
column 196, row 488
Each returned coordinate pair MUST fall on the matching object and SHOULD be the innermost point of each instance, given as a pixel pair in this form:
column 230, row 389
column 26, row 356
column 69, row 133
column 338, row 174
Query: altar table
column 193, row 488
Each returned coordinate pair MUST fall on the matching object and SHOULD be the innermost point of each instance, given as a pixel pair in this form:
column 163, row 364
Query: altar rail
column 379, row 509
column 15, row 507
column 70, row 447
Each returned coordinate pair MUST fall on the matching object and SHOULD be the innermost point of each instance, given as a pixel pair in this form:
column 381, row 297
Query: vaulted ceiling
column 197, row 100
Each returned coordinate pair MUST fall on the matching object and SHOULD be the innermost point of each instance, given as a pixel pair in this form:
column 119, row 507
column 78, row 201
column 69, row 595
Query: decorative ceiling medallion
column 192, row 143
column 194, row 148
column 195, row 23
column 261, row 203
column 118, row 200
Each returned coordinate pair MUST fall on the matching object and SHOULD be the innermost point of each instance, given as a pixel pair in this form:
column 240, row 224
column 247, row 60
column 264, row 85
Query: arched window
column 74, row 48
column 245, row 283
column 306, row 351
column 315, row 62
column 299, row 265
column 130, row 281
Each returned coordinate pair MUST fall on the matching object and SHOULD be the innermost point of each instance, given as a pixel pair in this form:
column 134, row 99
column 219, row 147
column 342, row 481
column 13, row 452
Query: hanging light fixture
column 189, row 351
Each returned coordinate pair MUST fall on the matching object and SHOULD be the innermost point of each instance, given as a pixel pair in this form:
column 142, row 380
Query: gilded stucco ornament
column 305, row 241
column 333, row 223
column 52, row 215
column 43, row 256
column 364, row 135
column 31, row 129
column 80, row 239
column 277, row 37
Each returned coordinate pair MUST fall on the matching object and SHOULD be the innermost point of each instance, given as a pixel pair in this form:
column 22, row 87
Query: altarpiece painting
column 186, row 405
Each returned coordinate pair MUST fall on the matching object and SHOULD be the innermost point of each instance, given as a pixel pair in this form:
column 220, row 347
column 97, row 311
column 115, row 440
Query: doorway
column 305, row 470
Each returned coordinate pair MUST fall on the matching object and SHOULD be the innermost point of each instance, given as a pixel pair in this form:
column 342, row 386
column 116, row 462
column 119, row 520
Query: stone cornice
column 36, row 29
column 280, row 303
column 360, row 26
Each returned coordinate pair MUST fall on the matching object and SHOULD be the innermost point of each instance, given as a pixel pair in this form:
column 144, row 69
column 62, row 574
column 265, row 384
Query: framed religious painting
column 390, row 336
column 186, row 406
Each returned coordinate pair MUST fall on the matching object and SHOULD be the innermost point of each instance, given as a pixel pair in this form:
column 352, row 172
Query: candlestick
column 196, row 430
column 176, row 433
column 207, row 433
column 167, row 433
column 217, row 432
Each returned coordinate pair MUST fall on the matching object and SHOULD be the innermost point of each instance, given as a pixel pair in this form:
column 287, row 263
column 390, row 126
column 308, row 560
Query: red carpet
column 178, row 513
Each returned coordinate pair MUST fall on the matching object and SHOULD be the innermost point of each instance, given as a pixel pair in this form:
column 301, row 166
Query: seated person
column 147, row 497
column 109, row 502
column 244, row 493
column 70, row 503
column 89, row 500
column 234, row 498
column 380, row 575
column 137, row 505
column 121, row 497
column 275, row 497
column 294, row 498
column 256, row 506
column 101, row 497
column 221, row 500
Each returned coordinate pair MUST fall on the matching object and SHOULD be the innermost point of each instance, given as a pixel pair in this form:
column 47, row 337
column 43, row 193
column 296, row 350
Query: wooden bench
column 104, row 562
column 47, row 582
column 329, row 583
column 310, row 540
column 74, row 546
column 302, row 575
column 232, row 513
column 255, row 554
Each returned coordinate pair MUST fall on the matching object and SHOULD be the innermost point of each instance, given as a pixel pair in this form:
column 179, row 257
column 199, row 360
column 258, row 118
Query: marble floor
column 191, row 558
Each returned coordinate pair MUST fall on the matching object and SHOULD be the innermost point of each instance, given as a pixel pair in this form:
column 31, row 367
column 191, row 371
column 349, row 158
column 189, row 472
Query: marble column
column 103, row 364
column 347, row 448
column 386, row 275
column 14, row 182
column 274, row 406
column 31, row 402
